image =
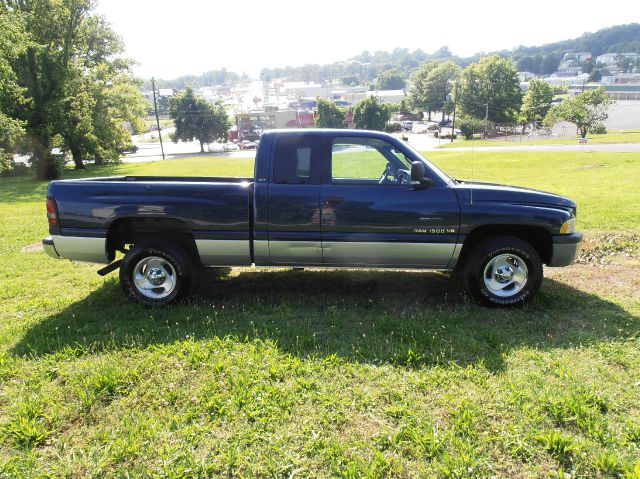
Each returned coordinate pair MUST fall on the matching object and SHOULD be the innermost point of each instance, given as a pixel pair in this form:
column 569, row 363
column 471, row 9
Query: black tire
column 156, row 260
column 500, row 262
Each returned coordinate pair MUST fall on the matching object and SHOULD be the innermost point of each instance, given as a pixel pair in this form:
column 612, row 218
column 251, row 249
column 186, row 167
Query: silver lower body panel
column 224, row 252
column 81, row 248
column 356, row 254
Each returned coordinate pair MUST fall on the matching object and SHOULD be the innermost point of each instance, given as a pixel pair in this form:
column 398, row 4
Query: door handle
column 334, row 201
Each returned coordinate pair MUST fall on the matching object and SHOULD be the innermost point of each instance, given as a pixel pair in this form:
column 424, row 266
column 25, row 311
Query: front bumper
column 50, row 248
column 564, row 249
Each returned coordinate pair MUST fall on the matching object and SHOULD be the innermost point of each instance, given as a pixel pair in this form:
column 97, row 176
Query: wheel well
column 134, row 230
column 538, row 237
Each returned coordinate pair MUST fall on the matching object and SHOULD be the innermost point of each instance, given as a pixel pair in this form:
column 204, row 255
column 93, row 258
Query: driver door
column 373, row 215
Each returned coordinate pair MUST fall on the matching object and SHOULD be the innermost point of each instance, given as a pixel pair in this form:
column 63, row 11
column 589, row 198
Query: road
column 420, row 142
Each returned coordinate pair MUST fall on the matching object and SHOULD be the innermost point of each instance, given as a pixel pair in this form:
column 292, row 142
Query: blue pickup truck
column 319, row 198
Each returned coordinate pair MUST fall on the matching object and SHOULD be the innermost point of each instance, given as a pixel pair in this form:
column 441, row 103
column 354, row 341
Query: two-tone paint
column 242, row 221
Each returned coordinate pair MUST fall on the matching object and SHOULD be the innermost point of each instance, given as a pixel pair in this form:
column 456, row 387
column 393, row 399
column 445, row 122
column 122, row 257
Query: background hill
column 365, row 67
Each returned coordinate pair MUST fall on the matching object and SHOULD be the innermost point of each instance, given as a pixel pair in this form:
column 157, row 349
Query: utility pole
column 155, row 107
column 453, row 121
column 486, row 120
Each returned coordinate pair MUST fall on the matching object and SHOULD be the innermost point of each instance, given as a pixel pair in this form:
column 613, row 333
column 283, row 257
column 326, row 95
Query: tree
column 12, row 43
column 42, row 68
column 101, row 98
column 549, row 64
column 587, row 110
column 529, row 64
column 195, row 118
column 65, row 44
column 330, row 115
column 418, row 96
column 370, row 114
column 437, row 85
column 490, row 88
column 537, row 101
column 390, row 80
column 595, row 76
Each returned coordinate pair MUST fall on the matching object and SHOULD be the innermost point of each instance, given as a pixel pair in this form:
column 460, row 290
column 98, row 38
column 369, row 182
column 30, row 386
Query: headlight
column 568, row 227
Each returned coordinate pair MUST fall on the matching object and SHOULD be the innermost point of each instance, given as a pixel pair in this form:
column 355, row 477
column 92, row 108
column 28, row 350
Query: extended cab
column 319, row 198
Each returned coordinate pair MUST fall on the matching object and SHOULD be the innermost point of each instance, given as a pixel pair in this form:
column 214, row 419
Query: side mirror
column 418, row 172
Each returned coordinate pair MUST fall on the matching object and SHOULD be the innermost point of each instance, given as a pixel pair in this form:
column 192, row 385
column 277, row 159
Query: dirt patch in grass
column 32, row 248
column 601, row 278
column 609, row 248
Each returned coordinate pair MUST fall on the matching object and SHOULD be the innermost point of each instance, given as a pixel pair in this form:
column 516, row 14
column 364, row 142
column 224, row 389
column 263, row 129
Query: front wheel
column 503, row 271
column 156, row 273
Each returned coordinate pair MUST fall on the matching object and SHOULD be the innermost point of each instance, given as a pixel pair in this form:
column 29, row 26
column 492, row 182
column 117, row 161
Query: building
column 632, row 55
column 577, row 56
column 608, row 59
column 388, row 96
column 615, row 92
column 252, row 123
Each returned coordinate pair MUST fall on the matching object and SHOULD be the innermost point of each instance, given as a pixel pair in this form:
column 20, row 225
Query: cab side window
column 296, row 160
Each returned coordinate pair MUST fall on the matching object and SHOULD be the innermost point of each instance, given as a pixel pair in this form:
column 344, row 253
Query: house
column 608, row 59
column 633, row 55
column 568, row 71
column 577, row 56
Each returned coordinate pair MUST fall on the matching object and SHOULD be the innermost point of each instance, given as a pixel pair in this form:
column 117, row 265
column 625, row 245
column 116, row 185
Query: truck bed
column 215, row 209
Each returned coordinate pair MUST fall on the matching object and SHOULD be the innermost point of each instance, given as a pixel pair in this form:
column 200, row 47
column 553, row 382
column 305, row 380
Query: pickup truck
column 318, row 198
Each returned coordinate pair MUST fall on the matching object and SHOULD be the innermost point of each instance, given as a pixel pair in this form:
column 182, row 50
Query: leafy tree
column 330, row 115
column 42, row 68
column 12, row 43
column 537, row 101
column 530, row 64
column 69, row 61
column 587, row 110
column 197, row 119
column 390, row 80
column 549, row 64
column 595, row 76
column 469, row 126
column 418, row 96
column 370, row 114
column 437, row 86
column 491, row 86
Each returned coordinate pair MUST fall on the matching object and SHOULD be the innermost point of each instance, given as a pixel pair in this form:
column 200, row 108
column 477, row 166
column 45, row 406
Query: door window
column 368, row 161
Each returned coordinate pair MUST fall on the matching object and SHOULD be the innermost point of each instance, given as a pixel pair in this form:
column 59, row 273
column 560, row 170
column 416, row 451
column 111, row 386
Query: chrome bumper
column 564, row 249
column 50, row 248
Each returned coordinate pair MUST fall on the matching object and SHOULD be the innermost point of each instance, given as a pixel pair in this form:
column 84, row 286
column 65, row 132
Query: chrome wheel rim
column 505, row 275
column 154, row 277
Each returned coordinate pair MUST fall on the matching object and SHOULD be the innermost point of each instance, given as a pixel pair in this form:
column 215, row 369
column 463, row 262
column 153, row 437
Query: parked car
column 320, row 198
column 406, row 125
column 248, row 145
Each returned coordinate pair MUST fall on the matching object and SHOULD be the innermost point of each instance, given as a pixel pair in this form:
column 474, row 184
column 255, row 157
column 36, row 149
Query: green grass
column 324, row 373
column 604, row 185
column 614, row 136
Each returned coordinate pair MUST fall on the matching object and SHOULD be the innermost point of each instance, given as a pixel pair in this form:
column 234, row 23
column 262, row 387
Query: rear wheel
column 156, row 273
column 503, row 271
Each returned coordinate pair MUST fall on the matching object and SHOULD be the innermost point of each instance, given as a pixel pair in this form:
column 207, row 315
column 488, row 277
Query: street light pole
column 155, row 107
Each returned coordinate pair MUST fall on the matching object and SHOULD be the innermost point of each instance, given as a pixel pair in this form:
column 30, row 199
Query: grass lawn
column 282, row 373
column 614, row 136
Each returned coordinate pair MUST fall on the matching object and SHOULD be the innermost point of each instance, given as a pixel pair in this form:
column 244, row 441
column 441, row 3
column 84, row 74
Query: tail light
column 52, row 212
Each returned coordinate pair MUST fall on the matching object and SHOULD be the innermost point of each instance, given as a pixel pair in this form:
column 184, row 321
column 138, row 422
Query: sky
column 173, row 38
